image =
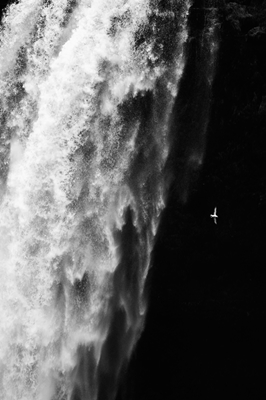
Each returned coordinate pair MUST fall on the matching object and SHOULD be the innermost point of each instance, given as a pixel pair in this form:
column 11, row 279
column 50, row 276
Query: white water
column 76, row 150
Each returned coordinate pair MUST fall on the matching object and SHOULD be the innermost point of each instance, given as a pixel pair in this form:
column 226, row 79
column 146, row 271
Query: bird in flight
column 214, row 215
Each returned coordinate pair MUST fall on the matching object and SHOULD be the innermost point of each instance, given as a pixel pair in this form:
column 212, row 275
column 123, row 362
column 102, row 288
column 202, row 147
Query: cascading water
column 87, row 89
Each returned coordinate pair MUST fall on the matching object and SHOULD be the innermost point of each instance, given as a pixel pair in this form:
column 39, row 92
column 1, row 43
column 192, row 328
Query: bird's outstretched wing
column 214, row 215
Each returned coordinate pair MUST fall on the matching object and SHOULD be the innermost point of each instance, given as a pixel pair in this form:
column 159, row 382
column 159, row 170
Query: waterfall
column 87, row 89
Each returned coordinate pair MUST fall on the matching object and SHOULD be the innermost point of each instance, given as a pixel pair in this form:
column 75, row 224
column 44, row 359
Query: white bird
column 214, row 215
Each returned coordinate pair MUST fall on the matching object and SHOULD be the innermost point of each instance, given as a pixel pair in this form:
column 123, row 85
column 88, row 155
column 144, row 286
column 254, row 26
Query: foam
column 71, row 153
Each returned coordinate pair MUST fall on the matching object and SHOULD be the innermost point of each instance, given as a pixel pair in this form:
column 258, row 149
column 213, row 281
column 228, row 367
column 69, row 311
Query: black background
column 205, row 334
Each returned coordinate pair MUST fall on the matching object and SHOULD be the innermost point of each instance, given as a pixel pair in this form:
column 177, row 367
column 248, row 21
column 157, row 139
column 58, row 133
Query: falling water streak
column 86, row 96
column 209, row 46
column 193, row 107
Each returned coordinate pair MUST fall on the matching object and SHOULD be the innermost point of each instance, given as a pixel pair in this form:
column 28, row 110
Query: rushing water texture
column 87, row 88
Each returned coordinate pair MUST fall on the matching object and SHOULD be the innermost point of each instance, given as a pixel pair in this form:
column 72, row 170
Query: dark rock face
column 205, row 332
